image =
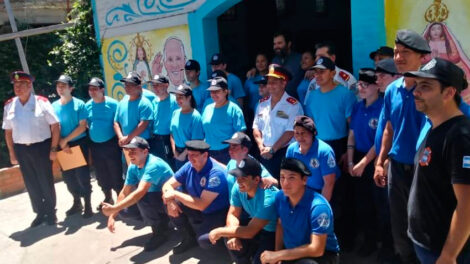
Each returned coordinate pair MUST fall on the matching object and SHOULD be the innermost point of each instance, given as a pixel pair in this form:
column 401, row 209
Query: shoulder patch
column 9, row 100
column 291, row 100
column 344, row 76
column 263, row 99
column 42, row 98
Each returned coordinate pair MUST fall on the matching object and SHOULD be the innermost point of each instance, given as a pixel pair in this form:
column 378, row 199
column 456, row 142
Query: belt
column 29, row 144
column 160, row 137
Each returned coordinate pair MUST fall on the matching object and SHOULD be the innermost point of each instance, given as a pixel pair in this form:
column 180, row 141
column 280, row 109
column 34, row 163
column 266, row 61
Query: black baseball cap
column 18, row 76
column 138, row 142
column 305, row 122
column 192, row 65
column 413, row 41
column 218, row 73
column 217, row 59
column 295, row 165
column 324, row 63
column 384, row 50
column 217, row 83
column 197, row 145
column 95, row 81
column 132, row 77
column 247, row 166
column 367, row 75
column 441, row 70
column 182, row 89
column 239, row 138
column 159, row 79
column 262, row 80
column 386, row 66
column 65, row 79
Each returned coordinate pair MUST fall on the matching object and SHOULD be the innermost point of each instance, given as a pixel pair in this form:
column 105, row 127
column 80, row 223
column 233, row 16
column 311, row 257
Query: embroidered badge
column 323, row 220
column 314, row 163
column 213, row 182
column 426, row 157
column 344, row 76
column 331, row 161
column 373, row 122
column 203, row 181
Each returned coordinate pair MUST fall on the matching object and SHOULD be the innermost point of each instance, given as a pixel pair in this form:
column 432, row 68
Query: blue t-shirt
column 149, row 95
column 320, row 160
column 101, row 119
column 379, row 132
column 302, row 89
column 70, row 116
column 155, row 171
column 252, row 90
column 235, row 86
column 330, row 111
column 211, row 178
column 130, row 113
column 312, row 215
column 260, row 206
column 184, row 127
column 232, row 180
column 364, row 122
column 221, row 123
column 163, row 111
column 200, row 95
column 399, row 108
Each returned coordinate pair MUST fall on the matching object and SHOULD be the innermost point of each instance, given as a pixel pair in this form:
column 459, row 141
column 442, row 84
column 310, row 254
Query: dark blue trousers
column 78, row 179
column 106, row 158
column 152, row 210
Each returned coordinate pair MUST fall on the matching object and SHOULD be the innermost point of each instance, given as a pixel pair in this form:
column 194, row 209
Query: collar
column 304, row 201
column 207, row 167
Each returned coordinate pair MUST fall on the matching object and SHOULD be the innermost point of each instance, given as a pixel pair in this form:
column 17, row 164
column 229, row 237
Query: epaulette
column 291, row 100
column 42, row 98
column 9, row 100
column 263, row 99
column 344, row 76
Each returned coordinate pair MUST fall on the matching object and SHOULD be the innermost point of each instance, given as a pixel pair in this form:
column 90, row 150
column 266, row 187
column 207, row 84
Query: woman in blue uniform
column 307, row 61
column 220, row 120
column 251, row 88
column 186, row 124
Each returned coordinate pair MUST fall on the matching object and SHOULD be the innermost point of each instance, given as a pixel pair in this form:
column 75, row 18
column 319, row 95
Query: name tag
column 281, row 114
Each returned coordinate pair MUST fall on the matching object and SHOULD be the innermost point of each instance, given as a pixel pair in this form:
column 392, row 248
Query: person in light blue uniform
column 145, row 178
column 235, row 86
column 134, row 113
column 251, row 87
column 307, row 61
column 305, row 221
column 220, row 120
column 219, row 74
column 258, row 234
column 239, row 147
column 186, row 124
column 105, row 151
column 163, row 107
column 192, row 70
column 72, row 118
column 315, row 154
column 197, row 197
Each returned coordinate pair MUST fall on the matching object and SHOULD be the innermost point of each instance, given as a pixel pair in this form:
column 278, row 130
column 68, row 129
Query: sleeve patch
column 213, row 182
column 344, row 76
column 42, row 98
column 466, row 162
column 291, row 100
column 263, row 99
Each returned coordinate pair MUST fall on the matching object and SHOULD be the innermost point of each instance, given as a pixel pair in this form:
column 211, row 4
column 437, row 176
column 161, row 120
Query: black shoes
column 154, row 242
column 48, row 219
column 51, row 219
column 76, row 208
column 88, row 212
column 187, row 243
column 37, row 221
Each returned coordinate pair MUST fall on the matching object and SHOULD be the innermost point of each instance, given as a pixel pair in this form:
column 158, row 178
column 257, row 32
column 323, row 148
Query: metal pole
column 19, row 46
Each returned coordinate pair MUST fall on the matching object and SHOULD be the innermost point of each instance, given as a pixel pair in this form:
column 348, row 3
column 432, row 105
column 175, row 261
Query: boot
column 108, row 198
column 158, row 238
column 38, row 220
column 188, row 241
column 88, row 212
column 76, row 206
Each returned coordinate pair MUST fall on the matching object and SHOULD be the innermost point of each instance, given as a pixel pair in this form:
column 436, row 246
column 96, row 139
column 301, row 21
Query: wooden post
column 19, row 46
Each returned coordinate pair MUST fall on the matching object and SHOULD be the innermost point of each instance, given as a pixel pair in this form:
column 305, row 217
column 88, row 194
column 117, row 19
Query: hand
column 63, row 143
column 269, row 257
column 124, row 141
column 350, row 168
column 358, row 169
column 13, row 159
column 309, row 75
column 251, row 73
column 342, row 162
column 265, row 153
column 67, row 149
column 108, row 209
column 214, row 236
column 234, row 244
column 52, row 155
column 169, row 196
column 444, row 259
column 173, row 209
column 268, row 182
column 111, row 224
column 157, row 64
column 379, row 176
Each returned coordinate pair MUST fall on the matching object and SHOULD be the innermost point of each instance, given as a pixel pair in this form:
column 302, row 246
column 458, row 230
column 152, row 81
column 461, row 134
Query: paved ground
column 78, row 240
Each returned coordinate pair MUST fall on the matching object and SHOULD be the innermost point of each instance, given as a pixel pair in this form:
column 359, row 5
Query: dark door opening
column 247, row 28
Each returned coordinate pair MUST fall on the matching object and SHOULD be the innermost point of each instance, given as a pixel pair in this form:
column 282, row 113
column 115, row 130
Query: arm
column 350, row 151
column 127, row 198
column 122, row 194
column 138, row 130
column 173, row 147
column 380, row 173
column 196, row 203
column 257, row 135
column 9, row 141
column 55, row 137
column 76, row 132
column 279, row 243
column 245, row 232
column 362, row 164
column 233, row 216
column 459, row 230
column 283, row 140
column 316, row 248
column 329, row 184
column 117, row 130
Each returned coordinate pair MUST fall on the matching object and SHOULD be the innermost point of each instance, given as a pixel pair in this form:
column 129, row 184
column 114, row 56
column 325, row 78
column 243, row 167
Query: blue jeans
column 426, row 256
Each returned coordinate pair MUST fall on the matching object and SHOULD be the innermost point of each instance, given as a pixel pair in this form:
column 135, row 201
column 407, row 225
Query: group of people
column 324, row 158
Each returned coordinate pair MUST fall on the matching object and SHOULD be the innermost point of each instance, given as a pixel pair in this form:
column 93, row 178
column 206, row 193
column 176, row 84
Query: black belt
column 160, row 137
column 31, row 144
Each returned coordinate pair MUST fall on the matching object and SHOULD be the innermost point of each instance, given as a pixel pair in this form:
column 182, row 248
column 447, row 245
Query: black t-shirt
column 442, row 160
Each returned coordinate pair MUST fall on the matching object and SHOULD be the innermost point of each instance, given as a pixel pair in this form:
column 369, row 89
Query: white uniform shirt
column 342, row 77
column 30, row 123
column 273, row 123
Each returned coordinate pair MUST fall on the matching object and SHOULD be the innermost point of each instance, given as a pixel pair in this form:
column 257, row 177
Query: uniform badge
column 17, row 77
column 373, row 122
column 282, row 114
column 466, row 162
column 314, row 163
column 203, row 181
column 426, row 157
column 344, row 76
column 291, row 100
column 213, row 182
column 331, row 161
column 323, row 220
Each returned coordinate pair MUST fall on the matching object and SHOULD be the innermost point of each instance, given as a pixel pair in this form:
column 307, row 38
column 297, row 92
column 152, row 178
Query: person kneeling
column 143, row 185
column 305, row 225
column 247, row 242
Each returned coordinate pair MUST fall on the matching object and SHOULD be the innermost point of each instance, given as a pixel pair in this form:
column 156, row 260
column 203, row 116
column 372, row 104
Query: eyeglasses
column 363, row 84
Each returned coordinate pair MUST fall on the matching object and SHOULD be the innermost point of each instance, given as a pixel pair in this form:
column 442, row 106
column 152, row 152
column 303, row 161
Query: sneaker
column 184, row 245
column 154, row 242
column 37, row 221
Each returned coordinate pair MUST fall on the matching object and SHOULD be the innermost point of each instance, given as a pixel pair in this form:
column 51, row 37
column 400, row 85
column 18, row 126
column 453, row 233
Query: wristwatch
column 54, row 149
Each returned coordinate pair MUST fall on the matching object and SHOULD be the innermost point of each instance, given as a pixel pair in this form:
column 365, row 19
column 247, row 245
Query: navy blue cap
column 262, row 80
column 217, row 59
column 138, row 142
column 324, row 63
column 132, row 77
column 218, row 73
column 159, row 79
column 247, row 166
column 192, row 65
column 182, row 89
column 95, row 81
column 217, row 83
column 413, row 41
column 277, row 71
column 295, row 165
column 386, row 66
column 197, row 145
column 65, row 79
column 384, row 50
column 367, row 75
column 239, row 138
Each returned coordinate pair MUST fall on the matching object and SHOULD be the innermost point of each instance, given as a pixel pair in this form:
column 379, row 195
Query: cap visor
column 237, row 173
column 130, row 146
column 319, row 67
column 231, row 141
column 420, row 74
column 214, row 88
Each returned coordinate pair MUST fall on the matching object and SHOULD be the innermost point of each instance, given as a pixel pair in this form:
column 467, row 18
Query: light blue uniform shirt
column 330, row 111
column 232, row 180
column 70, row 116
column 187, row 126
column 302, row 89
column 155, row 171
column 130, row 113
column 221, row 123
column 252, row 90
column 235, row 86
column 149, row 95
column 163, row 111
column 260, row 206
column 200, row 95
column 101, row 119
